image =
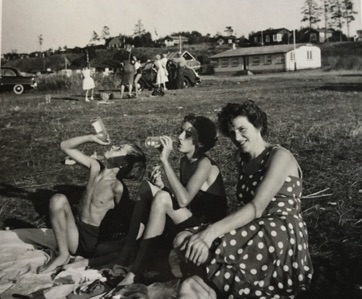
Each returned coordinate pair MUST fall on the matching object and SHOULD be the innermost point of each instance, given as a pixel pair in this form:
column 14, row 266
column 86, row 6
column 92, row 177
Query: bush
column 207, row 69
column 74, row 82
column 59, row 82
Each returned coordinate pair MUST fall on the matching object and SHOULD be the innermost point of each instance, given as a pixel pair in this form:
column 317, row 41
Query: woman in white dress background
column 88, row 83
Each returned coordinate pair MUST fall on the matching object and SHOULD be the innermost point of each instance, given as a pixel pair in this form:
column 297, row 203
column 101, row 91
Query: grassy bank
column 322, row 128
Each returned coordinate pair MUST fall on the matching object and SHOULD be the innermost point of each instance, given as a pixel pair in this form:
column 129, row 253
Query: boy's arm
column 70, row 148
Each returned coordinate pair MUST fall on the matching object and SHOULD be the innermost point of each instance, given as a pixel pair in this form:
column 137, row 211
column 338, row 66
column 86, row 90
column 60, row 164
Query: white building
column 276, row 58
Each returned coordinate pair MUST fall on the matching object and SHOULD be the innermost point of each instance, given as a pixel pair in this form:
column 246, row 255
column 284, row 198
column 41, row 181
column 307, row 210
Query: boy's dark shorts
column 88, row 238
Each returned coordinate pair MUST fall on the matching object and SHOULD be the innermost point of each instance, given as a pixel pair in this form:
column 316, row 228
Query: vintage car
column 12, row 79
column 148, row 79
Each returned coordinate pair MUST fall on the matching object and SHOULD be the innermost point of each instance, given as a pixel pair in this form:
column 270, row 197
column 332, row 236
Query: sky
column 71, row 22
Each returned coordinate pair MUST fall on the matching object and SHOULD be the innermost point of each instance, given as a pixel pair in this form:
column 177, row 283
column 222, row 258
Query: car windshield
column 8, row 73
column 148, row 66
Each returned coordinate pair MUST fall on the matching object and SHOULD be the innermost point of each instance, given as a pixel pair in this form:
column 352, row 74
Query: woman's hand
column 156, row 178
column 197, row 247
column 102, row 139
column 167, row 147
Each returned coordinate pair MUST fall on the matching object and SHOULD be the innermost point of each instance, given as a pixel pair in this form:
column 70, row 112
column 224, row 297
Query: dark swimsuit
column 206, row 207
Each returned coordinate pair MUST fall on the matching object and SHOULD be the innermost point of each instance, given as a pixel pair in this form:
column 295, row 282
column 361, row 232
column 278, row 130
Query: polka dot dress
column 267, row 258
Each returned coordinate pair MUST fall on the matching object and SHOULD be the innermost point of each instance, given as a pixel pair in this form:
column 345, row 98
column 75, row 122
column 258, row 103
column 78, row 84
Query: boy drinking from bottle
column 105, row 192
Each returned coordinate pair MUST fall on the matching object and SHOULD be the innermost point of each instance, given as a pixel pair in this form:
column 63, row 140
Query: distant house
column 310, row 35
column 358, row 36
column 271, row 37
column 277, row 58
column 173, row 40
column 23, row 55
column 222, row 40
column 36, row 54
column 116, row 43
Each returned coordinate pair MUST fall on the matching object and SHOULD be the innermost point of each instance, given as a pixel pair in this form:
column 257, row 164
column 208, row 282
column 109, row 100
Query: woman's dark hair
column 206, row 131
column 249, row 109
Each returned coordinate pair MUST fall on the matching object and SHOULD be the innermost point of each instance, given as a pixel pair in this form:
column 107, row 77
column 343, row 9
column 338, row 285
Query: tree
column 95, row 37
column 326, row 12
column 105, row 32
column 311, row 12
column 348, row 13
column 139, row 30
column 40, row 40
column 337, row 16
column 229, row 30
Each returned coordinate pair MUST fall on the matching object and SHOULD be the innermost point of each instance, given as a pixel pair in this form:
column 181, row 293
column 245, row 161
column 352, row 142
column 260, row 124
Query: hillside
column 344, row 55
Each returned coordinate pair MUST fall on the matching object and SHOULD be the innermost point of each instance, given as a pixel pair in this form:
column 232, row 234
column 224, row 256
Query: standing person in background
column 88, row 83
column 161, row 73
column 164, row 64
column 260, row 250
column 181, row 65
column 138, row 70
column 128, row 70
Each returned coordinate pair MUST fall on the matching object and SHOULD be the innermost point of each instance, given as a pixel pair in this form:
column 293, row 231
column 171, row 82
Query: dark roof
column 257, row 50
column 271, row 31
column 176, row 37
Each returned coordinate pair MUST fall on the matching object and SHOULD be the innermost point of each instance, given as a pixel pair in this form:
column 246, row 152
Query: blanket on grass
column 23, row 251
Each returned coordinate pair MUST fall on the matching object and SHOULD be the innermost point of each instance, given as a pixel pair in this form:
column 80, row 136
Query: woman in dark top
column 197, row 197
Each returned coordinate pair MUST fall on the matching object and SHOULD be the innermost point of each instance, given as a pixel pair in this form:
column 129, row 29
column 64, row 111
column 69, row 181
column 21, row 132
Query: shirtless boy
column 78, row 234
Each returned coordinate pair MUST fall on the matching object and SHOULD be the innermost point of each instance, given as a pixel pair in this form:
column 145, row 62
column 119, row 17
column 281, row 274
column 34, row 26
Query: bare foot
column 58, row 261
column 129, row 279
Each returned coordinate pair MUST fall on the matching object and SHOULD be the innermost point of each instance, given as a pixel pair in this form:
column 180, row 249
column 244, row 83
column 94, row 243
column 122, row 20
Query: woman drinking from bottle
column 197, row 196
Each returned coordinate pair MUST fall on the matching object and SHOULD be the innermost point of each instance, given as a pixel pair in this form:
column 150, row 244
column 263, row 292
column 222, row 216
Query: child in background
column 138, row 76
column 88, row 83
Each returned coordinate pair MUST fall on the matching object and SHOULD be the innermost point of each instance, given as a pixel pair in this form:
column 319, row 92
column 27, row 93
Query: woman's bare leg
column 161, row 207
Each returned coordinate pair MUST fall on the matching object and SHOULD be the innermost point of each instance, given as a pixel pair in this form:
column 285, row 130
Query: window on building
column 279, row 59
column 255, row 39
column 309, row 55
column 255, row 60
column 268, row 59
column 235, row 62
column 313, row 37
column 292, row 56
column 277, row 37
column 267, row 38
column 224, row 62
column 215, row 62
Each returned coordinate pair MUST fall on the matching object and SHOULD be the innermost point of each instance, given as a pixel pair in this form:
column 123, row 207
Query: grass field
column 316, row 115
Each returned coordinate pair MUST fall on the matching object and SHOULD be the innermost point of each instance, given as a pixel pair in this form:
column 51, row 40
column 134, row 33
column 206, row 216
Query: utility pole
column 1, row 13
column 295, row 54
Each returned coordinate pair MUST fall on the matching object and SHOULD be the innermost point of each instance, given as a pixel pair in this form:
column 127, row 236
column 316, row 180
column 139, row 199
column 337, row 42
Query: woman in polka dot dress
column 260, row 250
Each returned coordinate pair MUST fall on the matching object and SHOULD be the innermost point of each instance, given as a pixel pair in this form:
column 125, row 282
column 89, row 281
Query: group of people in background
column 131, row 72
column 260, row 250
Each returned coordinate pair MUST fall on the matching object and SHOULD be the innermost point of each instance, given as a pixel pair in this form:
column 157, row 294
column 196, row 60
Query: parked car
column 148, row 79
column 12, row 79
